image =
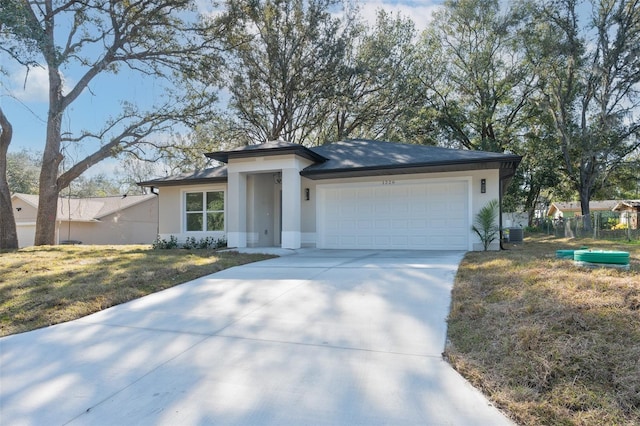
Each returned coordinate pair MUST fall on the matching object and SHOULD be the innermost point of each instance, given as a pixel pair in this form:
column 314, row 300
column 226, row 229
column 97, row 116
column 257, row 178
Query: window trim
column 204, row 212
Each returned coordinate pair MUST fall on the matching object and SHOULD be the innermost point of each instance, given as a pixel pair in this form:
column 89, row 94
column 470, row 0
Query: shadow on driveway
column 317, row 337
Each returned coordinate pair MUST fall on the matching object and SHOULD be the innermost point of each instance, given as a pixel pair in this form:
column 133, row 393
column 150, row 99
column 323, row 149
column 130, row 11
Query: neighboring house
column 131, row 219
column 572, row 208
column 629, row 212
column 355, row 194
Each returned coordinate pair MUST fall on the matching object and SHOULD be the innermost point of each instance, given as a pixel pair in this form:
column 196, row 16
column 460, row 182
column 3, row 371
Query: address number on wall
column 388, row 182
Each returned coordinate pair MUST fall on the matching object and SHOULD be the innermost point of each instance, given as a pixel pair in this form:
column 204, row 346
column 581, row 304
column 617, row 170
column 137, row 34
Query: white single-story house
column 131, row 219
column 352, row 194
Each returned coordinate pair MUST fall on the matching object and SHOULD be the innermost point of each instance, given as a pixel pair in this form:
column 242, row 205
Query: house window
column 205, row 211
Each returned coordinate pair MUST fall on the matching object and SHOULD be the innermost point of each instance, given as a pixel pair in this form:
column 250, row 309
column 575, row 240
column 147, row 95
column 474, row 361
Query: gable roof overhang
column 29, row 199
column 627, row 205
column 267, row 149
column 116, row 204
column 205, row 176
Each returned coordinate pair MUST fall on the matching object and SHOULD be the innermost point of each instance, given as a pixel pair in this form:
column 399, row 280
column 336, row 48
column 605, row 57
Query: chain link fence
column 606, row 225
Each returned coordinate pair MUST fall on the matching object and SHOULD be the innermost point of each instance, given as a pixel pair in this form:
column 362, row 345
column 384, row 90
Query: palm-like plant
column 485, row 224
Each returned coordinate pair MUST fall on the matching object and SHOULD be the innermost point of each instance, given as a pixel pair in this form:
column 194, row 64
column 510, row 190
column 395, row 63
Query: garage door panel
column 365, row 224
column 366, row 209
column 456, row 240
column 382, row 241
column 429, row 215
column 365, row 240
column 418, row 240
column 383, row 225
column 399, row 224
column 401, row 207
column 382, row 209
column 332, row 228
column 418, row 224
column 437, row 223
column 349, row 209
column 399, row 241
column 348, row 240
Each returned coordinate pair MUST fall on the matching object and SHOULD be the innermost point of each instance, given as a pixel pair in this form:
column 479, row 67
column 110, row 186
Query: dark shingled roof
column 214, row 174
column 361, row 157
column 357, row 157
column 271, row 148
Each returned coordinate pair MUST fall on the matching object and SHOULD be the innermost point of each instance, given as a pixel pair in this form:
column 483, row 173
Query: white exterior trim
column 308, row 239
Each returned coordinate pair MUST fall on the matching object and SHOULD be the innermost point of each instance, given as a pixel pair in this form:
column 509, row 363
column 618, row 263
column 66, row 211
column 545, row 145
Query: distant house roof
column 88, row 209
column 633, row 205
column 574, row 206
column 357, row 157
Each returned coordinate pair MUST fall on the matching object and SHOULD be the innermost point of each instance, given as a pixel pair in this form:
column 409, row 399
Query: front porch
column 264, row 201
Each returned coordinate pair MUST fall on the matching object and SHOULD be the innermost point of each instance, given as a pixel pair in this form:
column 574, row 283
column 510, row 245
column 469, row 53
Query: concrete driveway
column 318, row 337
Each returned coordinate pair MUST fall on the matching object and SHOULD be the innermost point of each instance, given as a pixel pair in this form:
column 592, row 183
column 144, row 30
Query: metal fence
column 606, row 225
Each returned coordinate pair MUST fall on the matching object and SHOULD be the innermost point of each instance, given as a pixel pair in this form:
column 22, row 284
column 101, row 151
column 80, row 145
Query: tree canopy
column 161, row 39
column 589, row 83
column 556, row 81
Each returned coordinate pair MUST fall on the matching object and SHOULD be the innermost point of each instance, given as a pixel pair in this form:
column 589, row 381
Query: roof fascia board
column 200, row 181
column 409, row 169
column 300, row 151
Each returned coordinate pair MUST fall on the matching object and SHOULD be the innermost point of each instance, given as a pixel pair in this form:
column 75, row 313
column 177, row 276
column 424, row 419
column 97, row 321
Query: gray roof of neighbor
column 357, row 157
column 89, row 209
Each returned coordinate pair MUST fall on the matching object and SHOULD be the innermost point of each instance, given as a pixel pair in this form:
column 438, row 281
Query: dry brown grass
column 41, row 286
column 549, row 342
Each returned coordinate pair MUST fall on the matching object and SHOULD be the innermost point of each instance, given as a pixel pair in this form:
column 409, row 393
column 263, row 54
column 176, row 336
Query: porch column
column 236, row 214
column 291, row 208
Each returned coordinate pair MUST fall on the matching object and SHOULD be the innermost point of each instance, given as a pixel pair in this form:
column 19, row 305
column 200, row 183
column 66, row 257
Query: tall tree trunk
column 531, row 203
column 8, row 232
column 51, row 158
column 585, row 197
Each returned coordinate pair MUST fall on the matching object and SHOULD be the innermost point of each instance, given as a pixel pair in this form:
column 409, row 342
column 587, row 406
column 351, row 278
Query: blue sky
column 24, row 97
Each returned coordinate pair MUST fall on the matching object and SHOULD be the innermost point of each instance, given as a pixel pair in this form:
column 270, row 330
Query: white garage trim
column 390, row 213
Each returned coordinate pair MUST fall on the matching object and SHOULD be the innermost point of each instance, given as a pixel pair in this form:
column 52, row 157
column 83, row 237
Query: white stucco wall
column 171, row 221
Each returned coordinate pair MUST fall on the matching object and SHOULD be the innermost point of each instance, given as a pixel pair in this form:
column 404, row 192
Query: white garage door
column 394, row 215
